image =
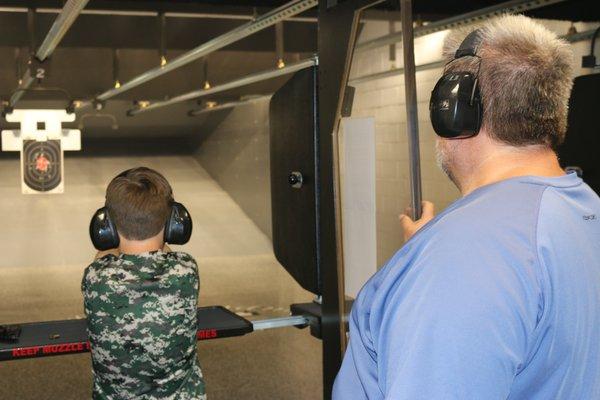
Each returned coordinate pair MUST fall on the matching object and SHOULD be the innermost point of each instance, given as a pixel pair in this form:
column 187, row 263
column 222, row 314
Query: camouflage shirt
column 141, row 319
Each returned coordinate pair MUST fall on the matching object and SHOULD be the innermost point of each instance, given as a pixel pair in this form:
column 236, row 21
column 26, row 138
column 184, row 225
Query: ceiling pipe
column 246, row 80
column 61, row 25
column 172, row 14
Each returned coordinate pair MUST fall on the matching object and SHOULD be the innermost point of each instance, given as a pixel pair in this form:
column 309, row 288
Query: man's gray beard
column 443, row 158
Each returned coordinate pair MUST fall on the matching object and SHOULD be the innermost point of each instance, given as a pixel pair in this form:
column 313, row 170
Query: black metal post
column 162, row 38
column 116, row 67
column 31, row 31
column 18, row 64
column 412, row 120
column 338, row 25
column 279, row 49
column 392, row 25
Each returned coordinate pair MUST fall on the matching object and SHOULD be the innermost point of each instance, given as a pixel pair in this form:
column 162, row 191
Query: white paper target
column 41, row 141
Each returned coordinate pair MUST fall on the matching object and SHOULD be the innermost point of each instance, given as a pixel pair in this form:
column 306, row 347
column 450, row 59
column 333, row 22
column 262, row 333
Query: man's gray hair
column 525, row 80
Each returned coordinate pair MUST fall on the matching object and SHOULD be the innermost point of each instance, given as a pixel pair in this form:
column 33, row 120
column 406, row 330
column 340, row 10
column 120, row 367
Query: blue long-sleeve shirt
column 497, row 298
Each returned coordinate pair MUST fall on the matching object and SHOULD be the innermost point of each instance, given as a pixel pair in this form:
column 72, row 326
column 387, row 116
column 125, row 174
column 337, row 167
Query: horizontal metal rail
column 576, row 37
column 57, row 31
column 282, row 13
column 283, row 322
column 227, row 105
column 139, row 13
column 513, row 6
column 247, row 80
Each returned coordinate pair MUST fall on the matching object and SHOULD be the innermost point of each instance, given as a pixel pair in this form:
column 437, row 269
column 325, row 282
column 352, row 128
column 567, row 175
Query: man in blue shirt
column 497, row 297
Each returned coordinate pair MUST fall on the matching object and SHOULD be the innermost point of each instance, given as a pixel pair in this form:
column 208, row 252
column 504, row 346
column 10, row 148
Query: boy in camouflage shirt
column 140, row 300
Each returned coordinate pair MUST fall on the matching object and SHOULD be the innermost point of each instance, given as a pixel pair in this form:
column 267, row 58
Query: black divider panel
column 582, row 143
column 293, row 142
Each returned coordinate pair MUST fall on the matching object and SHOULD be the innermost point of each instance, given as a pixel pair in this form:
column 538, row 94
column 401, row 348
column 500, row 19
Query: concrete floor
column 45, row 247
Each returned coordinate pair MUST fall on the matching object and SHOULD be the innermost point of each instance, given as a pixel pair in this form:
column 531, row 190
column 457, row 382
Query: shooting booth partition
column 582, row 131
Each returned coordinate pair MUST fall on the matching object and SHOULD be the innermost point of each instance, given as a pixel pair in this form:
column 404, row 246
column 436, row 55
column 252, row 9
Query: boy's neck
column 154, row 243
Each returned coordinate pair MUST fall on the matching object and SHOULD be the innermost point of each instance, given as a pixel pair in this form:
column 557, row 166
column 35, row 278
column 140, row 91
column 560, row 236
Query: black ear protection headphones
column 455, row 108
column 178, row 227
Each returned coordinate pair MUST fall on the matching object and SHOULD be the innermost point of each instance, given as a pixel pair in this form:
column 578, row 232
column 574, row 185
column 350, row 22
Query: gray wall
column 234, row 150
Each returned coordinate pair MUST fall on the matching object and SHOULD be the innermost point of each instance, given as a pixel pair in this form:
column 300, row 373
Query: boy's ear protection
column 178, row 228
column 455, row 108
column 179, row 225
column 102, row 231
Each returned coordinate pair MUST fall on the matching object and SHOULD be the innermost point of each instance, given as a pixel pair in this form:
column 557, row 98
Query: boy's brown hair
column 139, row 202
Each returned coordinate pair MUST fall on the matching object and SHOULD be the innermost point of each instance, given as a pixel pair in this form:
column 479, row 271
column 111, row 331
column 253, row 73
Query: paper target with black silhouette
column 41, row 141
column 42, row 165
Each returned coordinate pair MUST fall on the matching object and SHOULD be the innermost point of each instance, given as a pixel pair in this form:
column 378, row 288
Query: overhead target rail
column 288, row 10
column 244, row 81
column 59, row 28
column 54, row 338
column 142, row 13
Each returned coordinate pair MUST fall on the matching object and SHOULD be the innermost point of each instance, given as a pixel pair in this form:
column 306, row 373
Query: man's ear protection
column 455, row 108
column 103, row 232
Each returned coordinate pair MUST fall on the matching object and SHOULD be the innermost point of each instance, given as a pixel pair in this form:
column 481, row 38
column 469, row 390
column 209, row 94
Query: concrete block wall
column 234, row 150
column 384, row 99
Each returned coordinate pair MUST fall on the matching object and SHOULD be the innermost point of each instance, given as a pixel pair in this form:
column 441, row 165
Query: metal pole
column 206, row 80
column 18, row 63
column 513, row 6
column 138, row 13
column 31, row 30
column 116, row 67
column 286, row 11
column 392, row 25
column 58, row 30
column 162, row 39
column 283, row 322
column 412, row 120
column 27, row 80
column 257, row 77
column 279, row 45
